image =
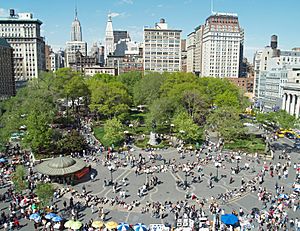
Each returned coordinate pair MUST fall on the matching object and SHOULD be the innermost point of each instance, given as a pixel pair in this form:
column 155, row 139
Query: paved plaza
column 168, row 187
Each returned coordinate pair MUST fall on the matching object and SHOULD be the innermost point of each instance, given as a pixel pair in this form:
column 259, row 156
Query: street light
column 111, row 168
column 238, row 159
column 185, row 170
column 147, row 171
column 217, row 165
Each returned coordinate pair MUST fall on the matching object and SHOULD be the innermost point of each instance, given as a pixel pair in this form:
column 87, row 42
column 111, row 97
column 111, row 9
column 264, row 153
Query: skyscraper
column 22, row 32
column 76, row 34
column 217, row 46
column 76, row 44
column 109, row 38
column 162, row 48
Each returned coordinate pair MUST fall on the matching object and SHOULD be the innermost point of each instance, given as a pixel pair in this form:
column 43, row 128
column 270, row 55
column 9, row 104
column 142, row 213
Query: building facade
column 272, row 70
column 7, row 80
column 162, row 48
column 217, row 47
column 22, row 32
column 90, row 71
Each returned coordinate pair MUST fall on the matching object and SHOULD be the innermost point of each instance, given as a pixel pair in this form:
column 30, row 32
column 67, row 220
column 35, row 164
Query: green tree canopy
column 113, row 132
column 226, row 121
column 185, row 128
column 45, row 192
column 109, row 99
column 281, row 118
column 19, row 178
column 148, row 88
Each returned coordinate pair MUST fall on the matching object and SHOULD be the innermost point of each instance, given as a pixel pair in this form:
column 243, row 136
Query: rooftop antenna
column 212, row 6
column 75, row 9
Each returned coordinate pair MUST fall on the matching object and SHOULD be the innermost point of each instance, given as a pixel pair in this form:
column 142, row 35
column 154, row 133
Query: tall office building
column 119, row 35
column 7, row 80
column 22, row 32
column 76, row 34
column 76, row 44
column 216, row 48
column 109, row 38
column 162, row 48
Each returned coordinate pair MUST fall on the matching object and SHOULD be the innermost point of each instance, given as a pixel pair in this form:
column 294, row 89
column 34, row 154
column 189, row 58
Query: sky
column 259, row 18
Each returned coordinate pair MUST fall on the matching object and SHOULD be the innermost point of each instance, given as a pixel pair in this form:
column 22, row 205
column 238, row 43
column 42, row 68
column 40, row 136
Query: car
column 280, row 134
column 290, row 135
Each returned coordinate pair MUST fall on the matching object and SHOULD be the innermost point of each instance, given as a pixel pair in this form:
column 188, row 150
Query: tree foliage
column 226, row 121
column 19, row 178
column 281, row 118
column 185, row 128
column 45, row 192
column 113, row 132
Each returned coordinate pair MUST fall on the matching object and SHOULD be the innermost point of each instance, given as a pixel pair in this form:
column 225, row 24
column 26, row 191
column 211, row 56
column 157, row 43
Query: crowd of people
column 276, row 202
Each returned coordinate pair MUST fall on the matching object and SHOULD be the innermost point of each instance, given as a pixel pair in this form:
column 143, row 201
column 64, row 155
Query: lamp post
column 238, row 159
column 185, row 170
column 147, row 171
column 111, row 168
column 217, row 165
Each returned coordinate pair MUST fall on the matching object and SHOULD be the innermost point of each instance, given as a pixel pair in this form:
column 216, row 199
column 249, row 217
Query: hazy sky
column 259, row 18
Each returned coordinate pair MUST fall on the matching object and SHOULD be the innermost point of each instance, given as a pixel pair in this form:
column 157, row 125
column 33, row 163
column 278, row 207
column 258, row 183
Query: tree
column 109, row 99
column 226, row 121
column 129, row 80
column 185, row 128
column 280, row 118
column 113, row 132
column 160, row 111
column 148, row 88
column 76, row 88
column 71, row 142
column 227, row 99
column 19, row 178
column 45, row 192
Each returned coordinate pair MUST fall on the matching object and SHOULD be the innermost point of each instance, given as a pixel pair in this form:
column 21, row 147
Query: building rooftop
column 19, row 20
column 4, row 43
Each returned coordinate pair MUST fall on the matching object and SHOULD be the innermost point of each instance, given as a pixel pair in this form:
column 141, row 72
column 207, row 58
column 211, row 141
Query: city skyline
column 256, row 17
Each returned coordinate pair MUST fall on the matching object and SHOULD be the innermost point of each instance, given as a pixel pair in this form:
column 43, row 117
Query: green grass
column 248, row 145
column 99, row 133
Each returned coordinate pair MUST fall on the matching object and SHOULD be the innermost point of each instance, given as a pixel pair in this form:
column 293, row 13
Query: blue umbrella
column 140, row 227
column 34, row 216
column 284, row 196
column 50, row 216
column 57, row 219
column 297, row 189
column 123, row 227
column 2, row 160
column 229, row 219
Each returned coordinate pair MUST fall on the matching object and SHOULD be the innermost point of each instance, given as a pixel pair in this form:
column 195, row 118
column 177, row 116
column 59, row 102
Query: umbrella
column 123, row 227
column 255, row 210
column 76, row 225
column 283, row 196
column 57, row 219
column 111, row 225
column 69, row 223
column 140, row 227
column 97, row 224
column 229, row 219
column 297, row 189
column 50, row 215
column 34, row 216
column 2, row 160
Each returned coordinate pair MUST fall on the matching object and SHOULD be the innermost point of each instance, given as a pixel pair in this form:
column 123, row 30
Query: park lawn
column 251, row 145
column 99, row 133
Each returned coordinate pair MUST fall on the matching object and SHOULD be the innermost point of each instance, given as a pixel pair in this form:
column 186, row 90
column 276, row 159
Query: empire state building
column 76, row 34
